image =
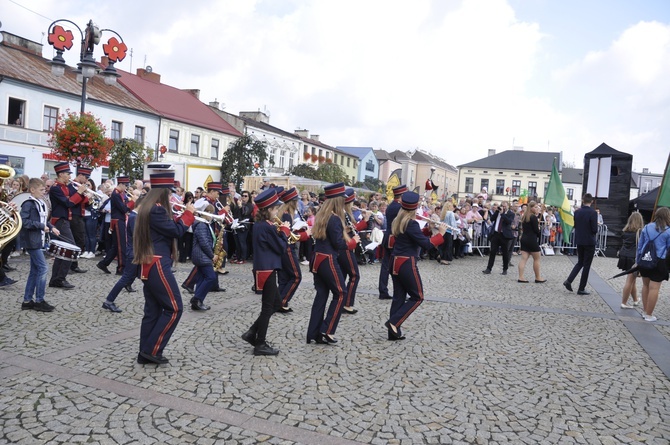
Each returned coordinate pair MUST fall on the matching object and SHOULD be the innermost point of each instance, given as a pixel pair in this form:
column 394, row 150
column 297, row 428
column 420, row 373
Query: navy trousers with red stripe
column 289, row 275
column 162, row 307
column 407, row 282
column 328, row 279
column 118, row 249
column 349, row 266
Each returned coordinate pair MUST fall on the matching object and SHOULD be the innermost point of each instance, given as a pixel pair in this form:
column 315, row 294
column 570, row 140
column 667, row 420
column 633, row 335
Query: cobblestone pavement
column 486, row 360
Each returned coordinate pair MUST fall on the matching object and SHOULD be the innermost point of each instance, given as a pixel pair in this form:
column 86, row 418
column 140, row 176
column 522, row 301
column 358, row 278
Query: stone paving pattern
column 487, row 360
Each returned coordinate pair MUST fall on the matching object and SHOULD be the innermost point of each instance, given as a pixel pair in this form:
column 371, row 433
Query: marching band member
column 154, row 246
column 203, row 258
column 77, row 222
column 290, row 275
column 391, row 212
column 120, row 206
column 62, row 204
column 347, row 258
column 330, row 238
column 271, row 240
column 407, row 240
column 130, row 271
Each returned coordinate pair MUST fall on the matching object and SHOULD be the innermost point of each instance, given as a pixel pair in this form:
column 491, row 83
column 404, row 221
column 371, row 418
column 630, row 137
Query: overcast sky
column 452, row 77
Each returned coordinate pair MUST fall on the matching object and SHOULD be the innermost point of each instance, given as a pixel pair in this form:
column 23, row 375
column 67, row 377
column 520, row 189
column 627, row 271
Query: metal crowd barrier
column 551, row 237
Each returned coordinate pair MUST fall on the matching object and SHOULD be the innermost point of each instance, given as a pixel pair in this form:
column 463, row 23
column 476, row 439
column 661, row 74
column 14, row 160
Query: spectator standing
column 586, row 228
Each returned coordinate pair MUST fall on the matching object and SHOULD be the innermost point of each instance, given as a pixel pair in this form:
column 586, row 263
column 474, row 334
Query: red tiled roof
column 33, row 69
column 175, row 104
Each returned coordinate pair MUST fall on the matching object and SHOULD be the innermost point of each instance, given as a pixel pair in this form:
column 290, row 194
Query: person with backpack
column 652, row 260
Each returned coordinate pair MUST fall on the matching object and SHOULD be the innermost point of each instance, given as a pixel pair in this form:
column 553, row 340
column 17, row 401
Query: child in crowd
column 35, row 226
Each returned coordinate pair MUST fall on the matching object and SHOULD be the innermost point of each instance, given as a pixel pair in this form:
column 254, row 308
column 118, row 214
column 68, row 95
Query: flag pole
column 660, row 189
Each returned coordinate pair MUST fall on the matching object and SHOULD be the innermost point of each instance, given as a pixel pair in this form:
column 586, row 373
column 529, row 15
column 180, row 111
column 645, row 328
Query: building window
column 195, row 145
column 214, row 152
column 139, row 134
column 516, row 187
column 320, row 152
column 16, row 112
column 341, row 160
column 50, row 118
column 484, row 184
column 570, row 193
column 271, row 156
column 305, row 149
column 173, row 145
column 500, row 186
column 355, row 163
column 117, row 130
column 282, row 155
column 532, row 188
column 546, row 186
column 335, row 160
column 469, row 184
column 370, row 166
column 290, row 161
column 313, row 151
column 348, row 162
column 646, row 186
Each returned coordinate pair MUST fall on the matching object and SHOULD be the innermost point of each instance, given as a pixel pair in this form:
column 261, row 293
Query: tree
column 304, row 171
column 332, row 173
column 243, row 158
column 375, row 184
column 128, row 158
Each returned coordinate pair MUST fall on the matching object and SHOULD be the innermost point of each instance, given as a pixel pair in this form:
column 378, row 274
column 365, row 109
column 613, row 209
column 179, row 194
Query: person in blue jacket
column 203, row 258
column 155, row 249
column 271, row 240
column 407, row 240
column 658, row 233
column 331, row 238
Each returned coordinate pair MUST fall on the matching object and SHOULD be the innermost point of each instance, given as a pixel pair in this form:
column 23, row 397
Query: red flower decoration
column 115, row 50
column 61, row 39
column 306, row 156
column 315, row 158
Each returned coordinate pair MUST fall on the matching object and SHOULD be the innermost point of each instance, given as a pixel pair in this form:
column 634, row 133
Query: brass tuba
column 10, row 220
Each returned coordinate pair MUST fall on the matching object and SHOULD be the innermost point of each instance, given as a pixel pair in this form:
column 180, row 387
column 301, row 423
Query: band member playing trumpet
column 63, row 202
column 77, row 223
column 331, row 238
column 347, row 258
column 408, row 238
column 121, row 205
column 154, row 246
column 290, row 275
column 203, row 258
column 391, row 212
column 270, row 239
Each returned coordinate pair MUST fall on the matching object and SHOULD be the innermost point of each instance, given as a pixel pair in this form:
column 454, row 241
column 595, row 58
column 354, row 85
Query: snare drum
column 64, row 251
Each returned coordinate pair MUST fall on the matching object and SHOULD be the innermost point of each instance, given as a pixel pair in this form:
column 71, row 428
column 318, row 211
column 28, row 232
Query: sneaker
column 637, row 302
column 7, row 282
column 626, row 306
column 14, row 254
column 649, row 318
column 27, row 305
column 43, row 306
column 305, row 263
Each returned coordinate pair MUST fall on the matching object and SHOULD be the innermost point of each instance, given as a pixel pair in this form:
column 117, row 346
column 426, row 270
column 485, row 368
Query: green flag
column 664, row 191
column 556, row 197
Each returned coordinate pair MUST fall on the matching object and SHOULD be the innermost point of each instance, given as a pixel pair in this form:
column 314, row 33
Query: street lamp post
column 62, row 40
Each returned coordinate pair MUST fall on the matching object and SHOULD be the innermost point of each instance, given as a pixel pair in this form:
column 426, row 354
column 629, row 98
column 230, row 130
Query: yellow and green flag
column 556, row 197
column 663, row 199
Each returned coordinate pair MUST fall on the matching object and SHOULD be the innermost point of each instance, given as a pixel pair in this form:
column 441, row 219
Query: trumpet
column 98, row 196
column 177, row 210
column 292, row 237
column 438, row 223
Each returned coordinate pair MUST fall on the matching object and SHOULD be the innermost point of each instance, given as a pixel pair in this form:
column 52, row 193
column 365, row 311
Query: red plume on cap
column 429, row 184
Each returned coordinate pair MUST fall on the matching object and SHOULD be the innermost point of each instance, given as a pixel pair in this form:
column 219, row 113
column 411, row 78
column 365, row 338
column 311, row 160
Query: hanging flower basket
column 315, row 158
column 306, row 156
column 322, row 159
column 80, row 139
column 329, row 161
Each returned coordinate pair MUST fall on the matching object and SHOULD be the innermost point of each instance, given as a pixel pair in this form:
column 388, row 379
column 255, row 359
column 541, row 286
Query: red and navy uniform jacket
column 303, row 234
column 80, row 208
column 63, row 202
column 164, row 229
column 119, row 207
column 407, row 244
column 335, row 239
column 391, row 212
column 273, row 244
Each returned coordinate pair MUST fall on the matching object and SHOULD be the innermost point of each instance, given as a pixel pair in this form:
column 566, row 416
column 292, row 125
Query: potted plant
column 80, row 138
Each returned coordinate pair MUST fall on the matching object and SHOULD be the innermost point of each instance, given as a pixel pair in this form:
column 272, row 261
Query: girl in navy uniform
column 120, row 207
column 155, row 248
column 203, row 258
column 331, row 238
column 290, row 275
column 347, row 258
column 271, row 240
column 407, row 240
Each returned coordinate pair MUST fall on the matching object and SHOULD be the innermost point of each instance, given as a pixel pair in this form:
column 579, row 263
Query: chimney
column 149, row 75
column 315, row 137
column 215, row 104
column 492, row 151
column 194, row 92
column 257, row 116
column 13, row 41
column 645, row 171
column 302, row 133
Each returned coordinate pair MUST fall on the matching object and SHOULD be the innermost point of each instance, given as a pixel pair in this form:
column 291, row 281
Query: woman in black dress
column 629, row 238
column 529, row 242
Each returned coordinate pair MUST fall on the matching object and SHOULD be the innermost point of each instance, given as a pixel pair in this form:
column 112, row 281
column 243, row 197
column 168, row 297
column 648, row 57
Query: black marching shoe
column 486, row 271
column 110, row 306
column 188, row 289
column 567, row 285
column 198, row 305
column 144, row 358
column 393, row 335
column 78, row 270
column 103, row 268
column 504, row 272
column 284, row 310
column 265, row 349
column 250, row 337
column 583, row 292
column 62, row 285
column 42, row 306
column 385, row 297
column 328, row 339
column 129, row 288
column 349, row 311
column 218, row 289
